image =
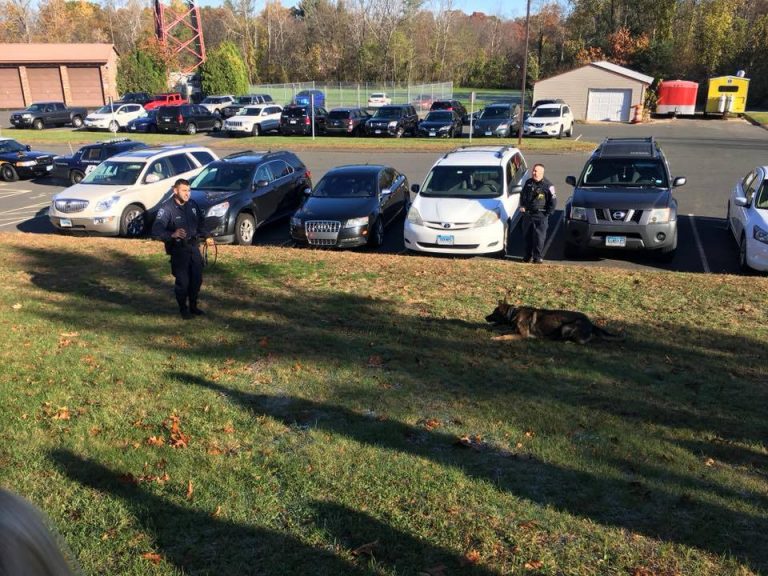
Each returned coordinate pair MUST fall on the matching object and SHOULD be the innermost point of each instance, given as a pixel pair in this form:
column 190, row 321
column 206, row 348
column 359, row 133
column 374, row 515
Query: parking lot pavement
column 712, row 154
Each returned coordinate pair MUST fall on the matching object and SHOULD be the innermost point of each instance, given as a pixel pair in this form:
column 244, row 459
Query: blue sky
column 504, row 8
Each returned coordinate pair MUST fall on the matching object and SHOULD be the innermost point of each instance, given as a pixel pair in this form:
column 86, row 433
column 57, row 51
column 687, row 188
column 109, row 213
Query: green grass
column 77, row 138
column 348, row 414
column 759, row 117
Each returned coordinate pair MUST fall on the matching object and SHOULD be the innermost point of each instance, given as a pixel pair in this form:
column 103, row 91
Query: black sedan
column 351, row 206
column 20, row 161
column 441, row 124
column 146, row 123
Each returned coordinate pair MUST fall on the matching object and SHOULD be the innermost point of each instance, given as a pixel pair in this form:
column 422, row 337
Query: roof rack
column 613, row 147
column 114, row 141
column 499, row 153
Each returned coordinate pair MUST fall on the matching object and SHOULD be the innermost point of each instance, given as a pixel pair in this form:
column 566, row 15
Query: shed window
column 727, row 88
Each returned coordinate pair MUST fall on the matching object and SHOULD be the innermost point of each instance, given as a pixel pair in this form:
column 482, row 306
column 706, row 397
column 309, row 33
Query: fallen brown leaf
column 190, row 490
column 375, row 361
column 153, row 557
column 473, row 556
column 534, row 564
column 155, row 441
column 366, row 549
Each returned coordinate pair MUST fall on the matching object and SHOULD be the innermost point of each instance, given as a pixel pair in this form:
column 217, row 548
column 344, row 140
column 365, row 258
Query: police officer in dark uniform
column 537, row 202
column 180, row 225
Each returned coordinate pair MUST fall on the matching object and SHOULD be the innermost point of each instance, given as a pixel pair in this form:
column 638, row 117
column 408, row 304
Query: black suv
column 74, row 168
column 242, row 101
column 20, row 161
column 296, row 119
column 189, row 118
column 242, row 191
column 345, row 121
column 623, row 200
column 454, row 105
column 395, row 120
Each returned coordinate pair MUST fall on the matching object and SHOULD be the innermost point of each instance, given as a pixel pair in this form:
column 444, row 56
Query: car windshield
column 112, row 173
column 11, row 146
column 387, row 113
column 495, row 112
column 761, row 198
column 463, row 182
column 107, row 109
column 546, row 113
column 249, row 112
column 294, row 112
column 346, row 185
column 439, row 117
column 223, row 176
column 338, row 114
column 624, row 172
column 377, row 95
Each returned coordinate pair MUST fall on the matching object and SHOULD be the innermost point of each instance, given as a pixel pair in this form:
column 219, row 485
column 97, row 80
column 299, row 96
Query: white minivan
column 468, row 203
column 116, row 197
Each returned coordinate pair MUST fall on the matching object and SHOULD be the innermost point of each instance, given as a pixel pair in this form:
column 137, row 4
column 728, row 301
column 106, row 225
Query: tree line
column 427, row 41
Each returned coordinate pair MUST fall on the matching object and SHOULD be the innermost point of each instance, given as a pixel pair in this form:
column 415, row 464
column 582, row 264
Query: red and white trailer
column 677, row 97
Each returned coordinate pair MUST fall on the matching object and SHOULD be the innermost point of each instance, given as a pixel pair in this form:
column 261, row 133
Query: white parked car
column 468, row 203
column 378, row 99
column 549, row 120
column 254, row 120
column 747, row 217
column 215, row 104
column 122, row 192
column 113, row 117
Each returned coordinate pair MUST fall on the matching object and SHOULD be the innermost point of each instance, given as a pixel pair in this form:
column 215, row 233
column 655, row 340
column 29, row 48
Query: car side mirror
column 741, row 201
column 152, row 178
column 261, row 184
column 679, row 181
column 415, row 188
column 307, row 191
column 386, row 192
column 570, row 180
column 515, row 189
column 28, row 147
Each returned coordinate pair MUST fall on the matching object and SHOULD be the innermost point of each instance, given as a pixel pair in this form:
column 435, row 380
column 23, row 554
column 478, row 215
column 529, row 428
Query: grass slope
column 348, row 414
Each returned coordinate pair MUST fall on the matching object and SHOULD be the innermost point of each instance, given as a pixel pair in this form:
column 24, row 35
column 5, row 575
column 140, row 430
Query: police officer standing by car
column 537, row 202
column 180, row 225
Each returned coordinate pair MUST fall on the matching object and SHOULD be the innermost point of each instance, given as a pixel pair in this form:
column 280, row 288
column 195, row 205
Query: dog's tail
column 608, row 336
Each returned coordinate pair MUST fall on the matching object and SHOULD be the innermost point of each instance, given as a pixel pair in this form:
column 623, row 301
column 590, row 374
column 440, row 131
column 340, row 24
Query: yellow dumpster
column 727, row 94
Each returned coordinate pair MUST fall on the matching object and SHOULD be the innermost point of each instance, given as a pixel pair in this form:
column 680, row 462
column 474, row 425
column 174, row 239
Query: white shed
column 599, row 91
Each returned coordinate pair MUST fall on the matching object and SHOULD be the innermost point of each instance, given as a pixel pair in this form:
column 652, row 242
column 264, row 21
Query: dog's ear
column 507, row 295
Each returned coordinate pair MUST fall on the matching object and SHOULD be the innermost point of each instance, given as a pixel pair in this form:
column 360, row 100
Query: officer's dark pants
column 535, row 226
column 187, row 268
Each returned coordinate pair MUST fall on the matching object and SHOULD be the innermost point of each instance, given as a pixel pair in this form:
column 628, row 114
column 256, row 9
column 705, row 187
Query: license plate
column 433, row 133
column 445, row 240
column 616, row 241
column 65, row 223
column 488, row 133
column 292, row 121
column 133, row 128
column 49, row 167
column 377, row 131
column 166, row 119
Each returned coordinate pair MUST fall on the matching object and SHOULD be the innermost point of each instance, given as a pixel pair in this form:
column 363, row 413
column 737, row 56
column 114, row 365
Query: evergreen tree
column 224, row 71
column 142, row 71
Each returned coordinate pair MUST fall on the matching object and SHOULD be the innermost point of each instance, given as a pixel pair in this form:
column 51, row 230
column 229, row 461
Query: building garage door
column 85, row 86
column 11, row 95
column 609, row 105
column 45, row 84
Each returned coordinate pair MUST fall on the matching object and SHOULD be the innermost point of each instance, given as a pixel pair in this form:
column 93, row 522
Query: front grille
column 449, row 247
column 453, row 226
column 45, row 160
column 70, row 206
column 234, row 124
column 611, row 215
column 322, row 232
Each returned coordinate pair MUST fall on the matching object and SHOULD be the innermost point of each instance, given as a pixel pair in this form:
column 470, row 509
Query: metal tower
column 180, row 28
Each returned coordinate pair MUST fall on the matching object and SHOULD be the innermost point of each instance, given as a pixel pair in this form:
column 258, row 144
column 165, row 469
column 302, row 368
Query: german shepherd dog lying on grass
column 529, row 322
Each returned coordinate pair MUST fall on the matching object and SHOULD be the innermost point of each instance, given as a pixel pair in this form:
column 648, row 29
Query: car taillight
column 306, row 120
column 350, row 123
column 179, row 118
column 308, row 174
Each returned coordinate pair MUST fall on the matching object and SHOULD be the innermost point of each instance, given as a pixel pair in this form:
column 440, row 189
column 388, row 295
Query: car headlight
column 355, row 222
column 106, row 204
column 392, row 124
column 443, row 128
column 488, row 218
column 659, row 215
column 26, row 115
column 218, row 211
column 760, row 234
column 414, row 217
column 26, row 163
column 578, row 213
column 503, row 126
column 296, row 222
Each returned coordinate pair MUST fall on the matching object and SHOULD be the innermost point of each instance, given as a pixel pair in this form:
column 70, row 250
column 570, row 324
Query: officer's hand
column 522, row 209
column 179, row 233
column 209, row 242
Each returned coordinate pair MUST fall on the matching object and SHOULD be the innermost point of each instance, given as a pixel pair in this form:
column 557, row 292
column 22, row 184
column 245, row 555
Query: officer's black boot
column 193, row 309
column 185, row 313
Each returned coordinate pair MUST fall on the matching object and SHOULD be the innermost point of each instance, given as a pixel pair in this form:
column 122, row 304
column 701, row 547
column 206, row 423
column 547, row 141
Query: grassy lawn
column 79, row 137
column 761, row 117
column 348, row 414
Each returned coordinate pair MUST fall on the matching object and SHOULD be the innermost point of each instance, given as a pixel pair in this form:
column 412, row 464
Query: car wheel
column 560, row 134
column 728, row 217
column 77, row 122
column 8, row 173
column 743, row 256
column 37, row 124
column 191, row 129
column 114, row 126
column 570, row 131
column 668, row 254
column 132, row 221
column 505, row 239
column 256, row 130
column 376, row 239
column 152, row 128
column 399, row 132
column 75, row 176
column 216, row 125
column 245, row 229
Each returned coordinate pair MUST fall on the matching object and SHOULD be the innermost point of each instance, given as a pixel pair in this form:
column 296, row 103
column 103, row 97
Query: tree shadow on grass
column 664, row 512
column 197, row 542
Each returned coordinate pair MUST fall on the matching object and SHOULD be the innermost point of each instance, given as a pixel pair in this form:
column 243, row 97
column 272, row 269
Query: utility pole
column 525, row 74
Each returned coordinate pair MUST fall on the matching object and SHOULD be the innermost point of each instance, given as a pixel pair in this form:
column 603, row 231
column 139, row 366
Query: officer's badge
column 160, row 212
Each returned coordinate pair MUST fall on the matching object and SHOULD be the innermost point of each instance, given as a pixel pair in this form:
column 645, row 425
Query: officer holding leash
column 180, row 225
column 537, row 202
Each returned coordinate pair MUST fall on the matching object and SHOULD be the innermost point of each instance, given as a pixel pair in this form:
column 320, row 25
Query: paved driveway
column 712, row 154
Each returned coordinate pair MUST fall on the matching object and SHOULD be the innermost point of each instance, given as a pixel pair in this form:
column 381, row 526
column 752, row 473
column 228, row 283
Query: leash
column 206, row 259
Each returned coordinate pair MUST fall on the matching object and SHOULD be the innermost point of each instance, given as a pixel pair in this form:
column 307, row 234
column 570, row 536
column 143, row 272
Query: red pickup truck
column 170, row 99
